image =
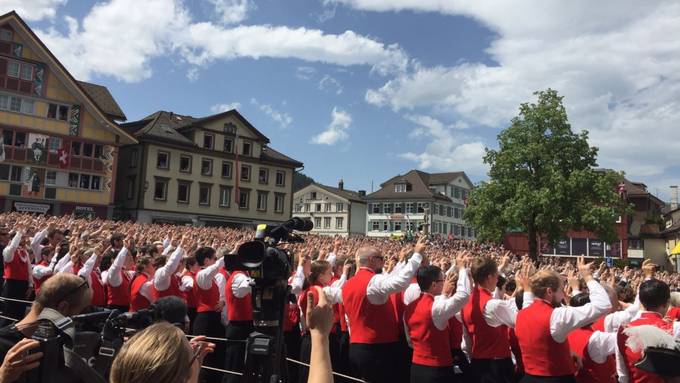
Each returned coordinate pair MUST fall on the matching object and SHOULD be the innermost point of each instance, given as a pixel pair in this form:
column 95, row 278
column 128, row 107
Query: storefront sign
column 26, row 207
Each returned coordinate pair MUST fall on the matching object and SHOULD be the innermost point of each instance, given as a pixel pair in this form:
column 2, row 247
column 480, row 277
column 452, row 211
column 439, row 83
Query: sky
column 364, row 90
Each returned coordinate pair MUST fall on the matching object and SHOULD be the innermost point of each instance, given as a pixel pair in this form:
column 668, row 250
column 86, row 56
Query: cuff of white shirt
column 417, row 257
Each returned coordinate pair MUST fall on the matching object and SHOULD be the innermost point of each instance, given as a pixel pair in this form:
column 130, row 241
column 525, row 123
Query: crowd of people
column 438, row 309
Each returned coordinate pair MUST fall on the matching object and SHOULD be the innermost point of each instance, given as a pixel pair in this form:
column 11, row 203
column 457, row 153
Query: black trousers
column 428, row 374
column 548, row 379
column 293, row 341
column 374, row 363
column 191, row 313
column 460, row 360
column 235, row 352
column 14, row 289
column 493, row 370
column 343, row 345
column 121, row 308
column 209, row 324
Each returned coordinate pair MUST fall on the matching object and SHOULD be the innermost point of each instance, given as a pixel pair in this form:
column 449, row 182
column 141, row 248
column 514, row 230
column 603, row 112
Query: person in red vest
column 543, row 327
column 486, row 318
column 141, row 285
column 45, row 268
column 596, row 349
column 187, row 283
column 374, row 335
column 117, row 280
column 239, row 307
column 208, row 307
column 166, row 282
column 654, row 298
column 17, row 274
column 427, row 319
column 90, row 272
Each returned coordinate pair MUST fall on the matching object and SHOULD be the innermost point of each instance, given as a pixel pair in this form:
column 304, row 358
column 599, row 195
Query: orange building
column 60, row 138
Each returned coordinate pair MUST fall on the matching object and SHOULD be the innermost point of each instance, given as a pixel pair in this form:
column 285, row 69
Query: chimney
column 674, row 197
column 341, row 185
column 362, row 193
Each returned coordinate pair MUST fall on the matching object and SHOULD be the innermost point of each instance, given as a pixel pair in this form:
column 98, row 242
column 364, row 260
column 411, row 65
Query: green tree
column 543, row 181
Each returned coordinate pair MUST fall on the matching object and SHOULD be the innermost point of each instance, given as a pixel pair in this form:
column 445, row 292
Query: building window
column 327, row 207
column 400, row 188
column 228, row 145
column 15, row 104
column 264, row 176
column 338, row 223
column 13, row 69
column 51, row 177
column 5, row 35
column 456, row 212
column 280, row 178
column 84, row 181
column 449, row 211
column 247, row 148
column 73, row 180
column 456, row 193
column 376, row 208
column 326, row 222
column 163, row 160
column 306, row 207
column 226, row 169
column 387, row 208
column 298, row 208
column 318, row 207
column 229, row 128
column 409, row 208
column 27, row 106
column 312, row 195
column 397, row 226
column 96, row 183
column 245, row 173
column 87, row 150
column 27, row 72
column 131, row 187
column 204, row 194
column 225, row 196
column 185, row 163
column 208, row 141
column 262, row 200
column 386, row 226
column 375, row 225
column 243, row 198
column 183, row 191
column 398, row 208
column 160, row 192
column 57, row 112
column 317, row 222
column 278, row 202
column 206, row 167
column 339, row 207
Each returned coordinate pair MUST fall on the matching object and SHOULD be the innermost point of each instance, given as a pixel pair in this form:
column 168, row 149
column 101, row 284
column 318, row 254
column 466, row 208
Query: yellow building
column 60, row 139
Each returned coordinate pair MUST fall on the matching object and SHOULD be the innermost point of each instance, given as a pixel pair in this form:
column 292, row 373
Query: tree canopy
column 544, row 181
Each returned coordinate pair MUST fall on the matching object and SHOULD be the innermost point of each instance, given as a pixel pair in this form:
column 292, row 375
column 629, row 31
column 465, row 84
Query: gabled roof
column 18, row 22
column 161, row 125
column 420, row 188
column 445, row 178
column 199, row 121
column 103, row 98
column 276, row 156
column 350, row 195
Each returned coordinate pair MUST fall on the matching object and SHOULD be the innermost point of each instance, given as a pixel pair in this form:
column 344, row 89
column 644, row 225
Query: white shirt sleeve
column 621, row 368
column 36, row 247
column 161, row 278
column 566, row 319
column 444, row 308
column 221, row 285
column 241, row 285
column 205, row 277
column 381, row 286
column 186, row 284
column 334, row 294
column 40, row 271
column 298, row 281
column 114, row 278
column 331, row 259
column 62, row 262
column 8, row 252
column 601, row 345
column 499, row 312
column 87, row 268
column 166, row 242
column 340, row 282
column 411, row 293
column 145, row 291
column 397, row 267
column 613, row 321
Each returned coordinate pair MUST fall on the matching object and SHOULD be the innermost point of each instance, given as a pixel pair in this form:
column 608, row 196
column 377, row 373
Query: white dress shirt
column 114, row 276
column 381, row 286
column 161, row 278
column 8, row 255
column 206, row 277
column 241, row 285
column 36, row 247
column 411, row 293
column 297, row 281
column 88, row 267
column 498, row 312
column 601, row 345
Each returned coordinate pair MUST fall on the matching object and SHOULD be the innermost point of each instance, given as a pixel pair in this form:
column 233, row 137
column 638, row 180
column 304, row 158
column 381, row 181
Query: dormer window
column 208, row 140
column 400, row 188
column 229, row 128
column 247, row 148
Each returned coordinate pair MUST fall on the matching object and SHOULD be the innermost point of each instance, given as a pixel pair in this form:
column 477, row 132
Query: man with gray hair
column 373, row 323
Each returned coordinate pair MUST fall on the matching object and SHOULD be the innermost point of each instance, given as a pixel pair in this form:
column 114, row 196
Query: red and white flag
column 63, row 158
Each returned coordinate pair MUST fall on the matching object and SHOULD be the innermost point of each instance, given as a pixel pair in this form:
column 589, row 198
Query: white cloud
column 219, row 108
column 282, row 118
column 32, row 10
column 448, row 148
column 336, row 130
column 232, row 11
column 615, row 63
column 328, row 82
column 94, row 45
column 305, row 72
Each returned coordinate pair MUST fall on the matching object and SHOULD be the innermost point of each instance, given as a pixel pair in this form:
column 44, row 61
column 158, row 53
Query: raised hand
column 584, row 269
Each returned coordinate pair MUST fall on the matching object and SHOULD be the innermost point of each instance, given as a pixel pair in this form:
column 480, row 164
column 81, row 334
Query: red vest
column 343, row 320
column 599, row 324
column 120, row 295
column 674, row 313
column 591, row 371
column 455, row 333
column 291, row 317
column 37, row 282
column 514, row 347
column 18, row 268
column 368, row 323
column 190, row 296
column 630, row 358
column 172, row 290
column 302, row 302
column 431, row 345
column 487, row 342
column 137, row 300
column 98, row 289
column 238, row 309
column 206, row 300
column 541, row 354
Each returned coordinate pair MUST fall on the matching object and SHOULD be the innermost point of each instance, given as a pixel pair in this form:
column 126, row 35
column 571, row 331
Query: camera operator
column 160, row 354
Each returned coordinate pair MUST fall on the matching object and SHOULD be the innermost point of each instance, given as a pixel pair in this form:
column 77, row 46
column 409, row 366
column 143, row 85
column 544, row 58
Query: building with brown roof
column 217, row 170
column 334, row 211
column 410, row 201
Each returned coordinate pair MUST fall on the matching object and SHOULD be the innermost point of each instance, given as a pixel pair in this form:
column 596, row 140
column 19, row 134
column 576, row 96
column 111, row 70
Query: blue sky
column 366, row 89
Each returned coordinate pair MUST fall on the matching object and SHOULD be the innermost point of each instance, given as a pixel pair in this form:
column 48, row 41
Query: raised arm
column 444, row 308
column 8, row 252
column 205, row 277
column 113, row 277
column 381, row 286
column 161, row 278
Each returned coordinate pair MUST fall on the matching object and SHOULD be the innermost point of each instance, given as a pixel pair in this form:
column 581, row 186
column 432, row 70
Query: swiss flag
column 62, row 156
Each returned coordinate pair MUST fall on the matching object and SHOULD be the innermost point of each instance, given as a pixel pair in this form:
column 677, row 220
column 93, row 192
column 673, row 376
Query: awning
column 676, row 249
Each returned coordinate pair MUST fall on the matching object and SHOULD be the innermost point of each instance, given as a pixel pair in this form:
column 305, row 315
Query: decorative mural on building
column 74, row 120
column 39, row 80
column 17, row 50
column 107, row 159
column 37, row 144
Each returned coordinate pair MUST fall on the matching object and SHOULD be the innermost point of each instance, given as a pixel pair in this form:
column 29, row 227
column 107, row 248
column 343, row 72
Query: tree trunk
column 533, row 246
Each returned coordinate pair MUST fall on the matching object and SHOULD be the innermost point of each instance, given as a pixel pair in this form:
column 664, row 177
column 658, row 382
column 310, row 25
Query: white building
column 402, row 203
column 334, row 211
